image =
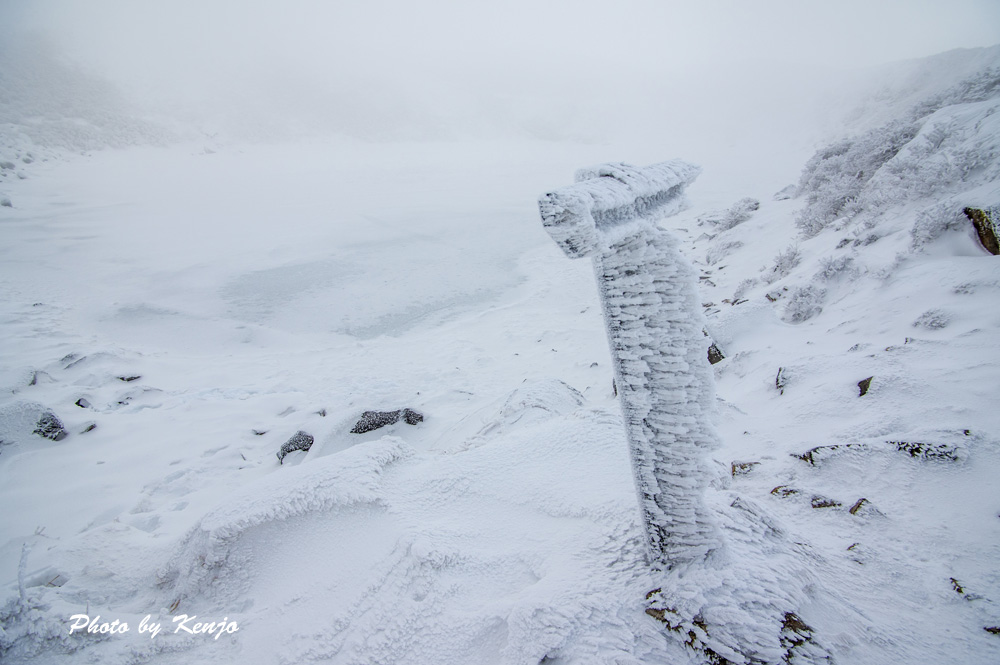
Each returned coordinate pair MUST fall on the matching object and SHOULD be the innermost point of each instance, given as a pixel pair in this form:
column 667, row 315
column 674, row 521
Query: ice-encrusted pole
column 654, row 321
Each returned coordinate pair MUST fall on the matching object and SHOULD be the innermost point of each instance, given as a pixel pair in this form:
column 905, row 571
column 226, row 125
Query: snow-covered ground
column 186, row 309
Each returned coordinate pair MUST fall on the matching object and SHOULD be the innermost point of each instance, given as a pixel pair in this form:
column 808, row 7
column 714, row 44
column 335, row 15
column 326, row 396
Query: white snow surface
column 198, row 305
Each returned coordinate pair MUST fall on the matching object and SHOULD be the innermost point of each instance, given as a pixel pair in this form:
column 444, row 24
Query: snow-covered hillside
column 183, row 310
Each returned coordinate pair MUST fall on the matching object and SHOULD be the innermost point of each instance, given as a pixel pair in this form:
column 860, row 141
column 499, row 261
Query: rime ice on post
column 654, row 321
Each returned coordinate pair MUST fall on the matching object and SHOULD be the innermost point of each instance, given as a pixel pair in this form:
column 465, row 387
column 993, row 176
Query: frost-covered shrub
column 932, row 319
column 833, row 267
column 784, row 263
column 934, row 221
column 30, row 628
column 835, row 176
column 743, row 287
column 804, row 303
column 949, row 138
column 720, row 250
column 740, row 212
column 958, row 145
column 976, row 88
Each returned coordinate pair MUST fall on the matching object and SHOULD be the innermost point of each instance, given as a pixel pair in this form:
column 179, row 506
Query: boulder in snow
column 821, row 453
column 372, row 420
column 985, row 221
column 929, row 451
column 742, row 468
column 824, row 502
column 299, row 441
column 714, row 354
column 864, row 508
column 50, row 427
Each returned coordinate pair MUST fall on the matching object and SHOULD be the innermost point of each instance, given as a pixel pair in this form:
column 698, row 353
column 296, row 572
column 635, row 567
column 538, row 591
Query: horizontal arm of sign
column 584, row 217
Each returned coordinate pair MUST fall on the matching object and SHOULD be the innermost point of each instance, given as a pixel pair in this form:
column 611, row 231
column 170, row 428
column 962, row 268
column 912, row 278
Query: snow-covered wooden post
column 653, row 315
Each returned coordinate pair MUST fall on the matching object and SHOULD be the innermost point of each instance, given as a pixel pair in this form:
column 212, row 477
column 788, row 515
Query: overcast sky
column 547, row 34
column 210, row 50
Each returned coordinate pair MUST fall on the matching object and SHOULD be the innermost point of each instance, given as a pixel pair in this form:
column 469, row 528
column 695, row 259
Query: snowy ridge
column 860, row 364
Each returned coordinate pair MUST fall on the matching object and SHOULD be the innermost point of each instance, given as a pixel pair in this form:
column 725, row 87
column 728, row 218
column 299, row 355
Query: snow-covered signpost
column 653, row 315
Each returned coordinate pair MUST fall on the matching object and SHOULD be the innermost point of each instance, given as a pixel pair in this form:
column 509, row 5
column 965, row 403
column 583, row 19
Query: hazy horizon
column 582, row 71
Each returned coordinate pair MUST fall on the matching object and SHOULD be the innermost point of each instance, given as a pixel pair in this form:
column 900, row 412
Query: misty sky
column 377, row 34
column 471, row 59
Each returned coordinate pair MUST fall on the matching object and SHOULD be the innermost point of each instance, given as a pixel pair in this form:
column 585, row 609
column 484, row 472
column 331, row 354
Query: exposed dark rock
column 823, row 502
column 39, row 376
column 992, row 629
column 963, row 591
column 928, row 451
column 863, row 386
column 661, row 615
column 259, row 432
column 864, row 508
column 129, row 378
column 742, row 468
column 780, row 381
column 321, row 412
column 820, row 453
column 83, row 403
column 714, row 355
column 372, row 420
column 50, row 427
column 985, row 222
column 794, row 634
column 299, row 441
column 861, row 554
column 89, row 428
column 784, row 491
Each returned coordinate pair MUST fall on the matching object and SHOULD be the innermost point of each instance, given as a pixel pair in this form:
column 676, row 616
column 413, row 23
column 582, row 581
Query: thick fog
column 587, row 70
